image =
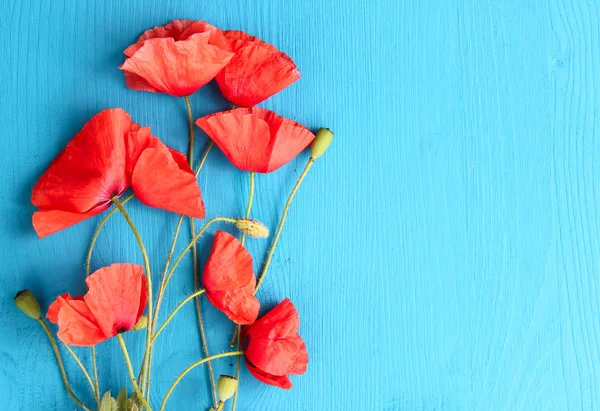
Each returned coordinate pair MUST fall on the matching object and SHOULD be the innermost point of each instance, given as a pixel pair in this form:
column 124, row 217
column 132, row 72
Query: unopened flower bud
column 321, row 143
column 27, row 303
column 252, row 227
column 226, row 387
column 141, row 324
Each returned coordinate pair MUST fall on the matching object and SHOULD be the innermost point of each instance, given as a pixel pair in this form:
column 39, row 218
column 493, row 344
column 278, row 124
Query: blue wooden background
column 443, row 255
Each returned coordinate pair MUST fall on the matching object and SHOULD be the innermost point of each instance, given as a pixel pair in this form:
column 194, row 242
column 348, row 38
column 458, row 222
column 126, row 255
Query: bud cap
column 27, row 303
column 321, row 143
column 226, row 387
column 252, row 227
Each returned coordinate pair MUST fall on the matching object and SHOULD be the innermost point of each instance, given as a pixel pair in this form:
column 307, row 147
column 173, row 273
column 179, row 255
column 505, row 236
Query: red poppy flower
column 255, row 139
column 273, row 349
column 114, row 303
column 110, row 154
column 176, row 59
column 229, row 279
column 256, row 72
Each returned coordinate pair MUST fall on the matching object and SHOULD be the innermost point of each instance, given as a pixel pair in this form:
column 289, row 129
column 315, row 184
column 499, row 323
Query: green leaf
column 122, row 400
column 108, row 403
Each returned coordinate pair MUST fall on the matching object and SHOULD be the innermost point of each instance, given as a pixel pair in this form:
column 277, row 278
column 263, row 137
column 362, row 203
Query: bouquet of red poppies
column 113, row 159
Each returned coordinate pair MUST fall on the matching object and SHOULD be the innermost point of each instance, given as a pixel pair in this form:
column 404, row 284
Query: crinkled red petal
column 77, row 325
column 255, row 139
column 178, row 68
column 46, row 222
column 116, row 297
column 229, row 265
column 161, row 180
column 91, row 168
column 255, row 73
column 281, row 381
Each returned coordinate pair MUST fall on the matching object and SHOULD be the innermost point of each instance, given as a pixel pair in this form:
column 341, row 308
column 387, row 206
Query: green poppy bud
column 252, row 227
column 321, row 143
column 226, row 387
column 27, row 303
column 141, row 324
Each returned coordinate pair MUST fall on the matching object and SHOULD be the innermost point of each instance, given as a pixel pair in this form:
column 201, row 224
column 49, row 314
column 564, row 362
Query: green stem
column 191, row 367
column 85, row 373
column 238, row 328
column 136, row 233
column 159, row 299
column 170, row 317
column 281, row 223
column 221, row 403
column 131, row 373
column 203, row 159
column 61, row 366
column 250, row 199
column 87, row 273
column 198, row 305
column 191, row 121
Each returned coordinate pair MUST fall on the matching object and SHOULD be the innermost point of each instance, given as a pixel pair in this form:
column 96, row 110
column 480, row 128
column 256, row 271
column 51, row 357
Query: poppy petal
column 240, row 305
column 161, row 180
column 46, row 222
column 115, row 296
column 255, row 73
column 281, row 322
column 173, row 29
column 90, row 170
column 55, row 306
column 178, row 68
column 277, row 381
column 135, row 82
column 229, row 265
column 77, row 325
column 263, row 140
column 300, row 360
column 273, row 356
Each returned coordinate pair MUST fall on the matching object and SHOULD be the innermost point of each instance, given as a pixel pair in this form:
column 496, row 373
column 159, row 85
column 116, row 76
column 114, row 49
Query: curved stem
column 189, row 246
column 87, row 273
column 198, row 305
column 159, row 298
column 85, row 373
column 238, row 328
column 162, row 287
column 170, row 317
column 61, row 366
column 97, row 233
column 281, row 223
column 131, row 374
column 136, row 233
column 191, row 367
column 203, row 159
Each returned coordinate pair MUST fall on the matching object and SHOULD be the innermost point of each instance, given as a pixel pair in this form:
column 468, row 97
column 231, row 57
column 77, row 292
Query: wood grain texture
column 443, row 255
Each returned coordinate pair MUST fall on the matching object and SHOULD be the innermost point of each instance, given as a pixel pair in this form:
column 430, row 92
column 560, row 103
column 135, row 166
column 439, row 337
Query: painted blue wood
column 443, row 255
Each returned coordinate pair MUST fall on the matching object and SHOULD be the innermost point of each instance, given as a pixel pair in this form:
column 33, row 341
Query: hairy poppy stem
column 88, row 262
column 195, row 251
column 191, row 367
column 146, row 361
column 130, row 371
column 170, row 317
column 85, row 373
column 238, row 328
column 282, row 222
column 204, row 156
column 61, row 366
